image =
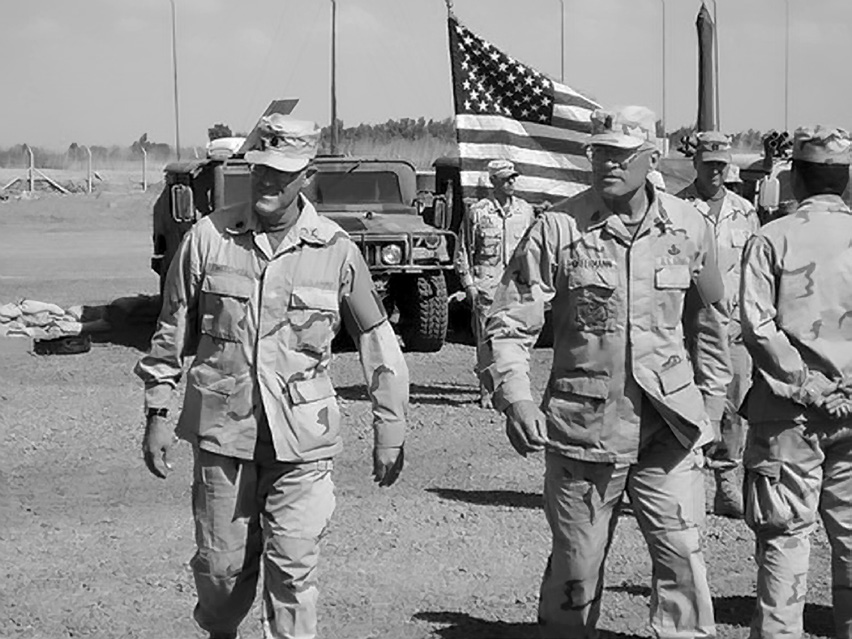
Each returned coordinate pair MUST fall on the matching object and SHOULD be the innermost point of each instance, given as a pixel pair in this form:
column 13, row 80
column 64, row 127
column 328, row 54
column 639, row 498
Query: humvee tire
column 423, row 311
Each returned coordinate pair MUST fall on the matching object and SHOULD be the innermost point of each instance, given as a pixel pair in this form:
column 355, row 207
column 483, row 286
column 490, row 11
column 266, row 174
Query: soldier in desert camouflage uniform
column 796, row 305
column 256, row 293
column 490, row 231
column 626, row 408
column 733, row 220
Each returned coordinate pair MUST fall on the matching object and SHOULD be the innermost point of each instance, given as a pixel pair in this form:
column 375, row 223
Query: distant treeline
column 403, row 136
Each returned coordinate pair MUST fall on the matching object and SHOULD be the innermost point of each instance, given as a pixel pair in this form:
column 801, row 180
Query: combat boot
column 728, row 501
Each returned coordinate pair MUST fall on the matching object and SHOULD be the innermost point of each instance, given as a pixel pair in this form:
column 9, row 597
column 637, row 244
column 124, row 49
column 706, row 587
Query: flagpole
column 716, row 64
column 786, row 63
column 663, row 48
column 562, row 41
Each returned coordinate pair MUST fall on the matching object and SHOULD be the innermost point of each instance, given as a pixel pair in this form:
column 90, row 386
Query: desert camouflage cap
column 713, row 146
column 822, row 145
column 732, row 175
column 628, row 127
column 501, row 169
column 284, row 143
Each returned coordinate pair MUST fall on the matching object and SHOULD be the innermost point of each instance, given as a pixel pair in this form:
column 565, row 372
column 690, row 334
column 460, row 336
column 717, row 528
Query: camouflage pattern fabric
column 620, row 321
column 794, row 471
column 226, row 565
column 737, row 221
column 582, row 501
column 796, row 307
column 260, row 325
column 489, row 234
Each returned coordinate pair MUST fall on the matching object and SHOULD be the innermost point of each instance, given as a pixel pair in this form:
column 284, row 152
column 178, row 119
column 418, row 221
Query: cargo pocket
column 670, row 284
column 208, row 398
column 314, row 318
column 767, row 506
column 577, row 403
column 224, row 305
column 592, row 300
column 316, row 414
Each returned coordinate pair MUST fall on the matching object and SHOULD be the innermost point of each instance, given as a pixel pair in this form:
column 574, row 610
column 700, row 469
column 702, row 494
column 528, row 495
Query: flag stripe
column 546, row 188
column 475, row 155
column 472, row 139
column 569, row 97
column 466, row 123
column 536, row 170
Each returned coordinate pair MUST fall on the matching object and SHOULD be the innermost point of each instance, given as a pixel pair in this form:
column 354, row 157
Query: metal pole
column 175, row 69
column 562, row 41
column 88, row 169
column 716, row 64
column 333, row 77
column 663, row 60
column 786, row 64
column 144, row 168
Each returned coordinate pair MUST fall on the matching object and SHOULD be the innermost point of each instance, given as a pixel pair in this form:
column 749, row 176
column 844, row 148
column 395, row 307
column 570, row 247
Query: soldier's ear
column 654, row 160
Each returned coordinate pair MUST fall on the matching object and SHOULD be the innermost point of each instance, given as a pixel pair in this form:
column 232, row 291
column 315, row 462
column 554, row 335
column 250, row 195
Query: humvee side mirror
column 183, row 205
column 769, row 196
column 440, row 213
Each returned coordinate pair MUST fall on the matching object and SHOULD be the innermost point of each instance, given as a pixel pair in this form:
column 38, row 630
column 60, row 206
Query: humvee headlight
column 391, row 254
column 432, row 242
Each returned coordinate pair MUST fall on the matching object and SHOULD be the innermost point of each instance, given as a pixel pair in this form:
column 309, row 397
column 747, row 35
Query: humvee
column 375, row 201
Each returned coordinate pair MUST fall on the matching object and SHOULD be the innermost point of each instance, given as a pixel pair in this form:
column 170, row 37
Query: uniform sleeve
column 778, row 361
column 464, row 247
column 382, row 362
column 517, row 315
column 177, row 326
column 706, row 328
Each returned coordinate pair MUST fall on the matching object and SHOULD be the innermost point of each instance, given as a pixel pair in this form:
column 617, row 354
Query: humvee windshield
column 361, row 187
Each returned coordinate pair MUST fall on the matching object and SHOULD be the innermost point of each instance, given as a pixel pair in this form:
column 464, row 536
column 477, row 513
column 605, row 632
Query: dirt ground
column 93, row 546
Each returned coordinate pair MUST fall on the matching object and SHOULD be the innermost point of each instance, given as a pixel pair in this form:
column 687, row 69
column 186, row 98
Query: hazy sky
column 100, row 71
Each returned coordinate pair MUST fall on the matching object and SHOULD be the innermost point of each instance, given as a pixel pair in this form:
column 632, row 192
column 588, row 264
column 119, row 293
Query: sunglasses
column 599, row 154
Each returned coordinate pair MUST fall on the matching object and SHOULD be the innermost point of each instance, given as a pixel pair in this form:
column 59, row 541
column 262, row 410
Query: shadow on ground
column 506, row 498
column 436, row 394
column 736, row 610
column 460, row 625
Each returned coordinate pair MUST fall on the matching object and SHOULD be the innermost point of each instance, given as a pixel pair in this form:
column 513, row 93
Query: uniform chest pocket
column 671, row 282
column 489, row 237
column 225, row 305
column 593, row 300
column 314, row 315
column 739, row 237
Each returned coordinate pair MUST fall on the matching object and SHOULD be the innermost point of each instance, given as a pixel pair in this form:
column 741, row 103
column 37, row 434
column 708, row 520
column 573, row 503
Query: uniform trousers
column 249, row 512
column 726, row 453
column 793, row 472
column 582, row 501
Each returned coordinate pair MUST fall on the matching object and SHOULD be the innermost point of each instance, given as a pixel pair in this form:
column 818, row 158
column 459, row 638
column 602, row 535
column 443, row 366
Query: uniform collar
column 656, row 216
column 307, row 226
column 830, row 203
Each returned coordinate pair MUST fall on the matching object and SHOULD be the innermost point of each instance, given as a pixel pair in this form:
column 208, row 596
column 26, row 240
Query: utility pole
column 334, row 77
column 663, row 60
column 562, row 41
column 716, row 64
column 174, row 67
column 786, row 65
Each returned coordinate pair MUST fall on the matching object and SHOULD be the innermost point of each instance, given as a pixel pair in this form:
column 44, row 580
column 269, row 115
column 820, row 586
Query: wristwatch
column 156, row 412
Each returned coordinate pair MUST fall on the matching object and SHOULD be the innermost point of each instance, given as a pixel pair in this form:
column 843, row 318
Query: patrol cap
column 713, row 146
column 501, row 169
column 626, row 128
column 732, row 175
column 284, row 143
column 822, row 145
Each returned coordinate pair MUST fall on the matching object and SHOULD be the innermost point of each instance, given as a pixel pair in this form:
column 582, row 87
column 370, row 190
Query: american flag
column 508, row 110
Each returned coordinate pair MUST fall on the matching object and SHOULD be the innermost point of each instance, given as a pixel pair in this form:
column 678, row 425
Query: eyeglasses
column 263, row 173
column 600, row 154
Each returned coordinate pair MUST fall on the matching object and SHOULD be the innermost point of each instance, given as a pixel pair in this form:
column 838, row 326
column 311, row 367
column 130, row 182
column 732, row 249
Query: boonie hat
column 284, row 143
column 501, row 169
column 627, row 128
column 822, row 145
column 713, row 146
column 732, row 175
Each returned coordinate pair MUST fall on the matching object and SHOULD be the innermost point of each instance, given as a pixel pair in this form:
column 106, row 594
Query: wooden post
column 30, row 168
